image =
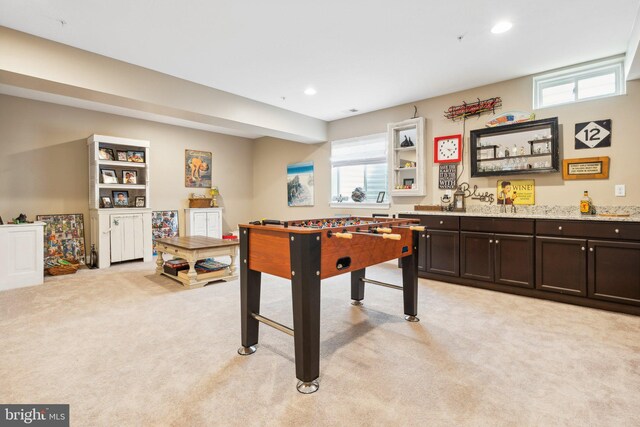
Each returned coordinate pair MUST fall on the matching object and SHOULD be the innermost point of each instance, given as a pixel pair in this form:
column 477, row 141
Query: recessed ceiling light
column 310, row 91
column 501, row 27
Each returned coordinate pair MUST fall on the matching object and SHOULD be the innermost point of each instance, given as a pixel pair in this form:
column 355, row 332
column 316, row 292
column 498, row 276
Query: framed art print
column 447, row 149
column 197, row 169
column 300, row 184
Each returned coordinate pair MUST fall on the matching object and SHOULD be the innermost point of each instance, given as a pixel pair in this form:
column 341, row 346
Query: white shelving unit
column 119, row 233
column 406, row 164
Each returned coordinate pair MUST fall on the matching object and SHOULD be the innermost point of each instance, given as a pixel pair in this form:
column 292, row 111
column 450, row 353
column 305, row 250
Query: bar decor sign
column 586, row 168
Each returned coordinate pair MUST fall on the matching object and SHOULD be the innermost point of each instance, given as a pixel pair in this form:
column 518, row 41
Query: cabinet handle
column 590, row 249
column 497, row 241
column 441, row 222
column 428, row 236
column 490, row 241
column 617, row 231
column 116, row 222
column 582, row 248
column 560, row 227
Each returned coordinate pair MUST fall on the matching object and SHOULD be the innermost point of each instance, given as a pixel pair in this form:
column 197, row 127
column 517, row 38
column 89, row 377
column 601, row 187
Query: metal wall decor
column 595, row 134
column 460, row 112
column 485, row 197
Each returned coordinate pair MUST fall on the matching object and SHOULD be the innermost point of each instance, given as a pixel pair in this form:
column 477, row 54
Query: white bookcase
column 203, row 222
column 407, row 162
column 119, row 233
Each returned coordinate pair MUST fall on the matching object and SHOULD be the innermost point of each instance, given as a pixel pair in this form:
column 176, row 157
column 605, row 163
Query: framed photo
column 109, row 176
column 197, row 169
column 63, row 237
column 140, row 201
column 122, row 156
column 380, row 197
column 120, row 198
column 129, row 177
column 106, row 202
column 408, row 181
column 105, row 154
column 135, row 156
column 300, row 184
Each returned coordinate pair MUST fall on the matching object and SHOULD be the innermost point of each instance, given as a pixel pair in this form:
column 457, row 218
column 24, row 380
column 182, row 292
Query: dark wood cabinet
column 499, row 258
column 561, row 265
column 614, row 271
column 442, row 252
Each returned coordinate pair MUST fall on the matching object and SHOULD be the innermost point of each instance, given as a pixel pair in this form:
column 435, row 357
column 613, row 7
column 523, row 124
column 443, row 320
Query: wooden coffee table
column 192, row 249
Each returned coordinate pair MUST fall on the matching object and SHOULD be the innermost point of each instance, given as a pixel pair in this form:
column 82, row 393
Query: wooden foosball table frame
column 308, row 251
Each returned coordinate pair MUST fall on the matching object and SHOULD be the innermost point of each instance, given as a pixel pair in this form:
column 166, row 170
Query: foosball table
column 307, row 251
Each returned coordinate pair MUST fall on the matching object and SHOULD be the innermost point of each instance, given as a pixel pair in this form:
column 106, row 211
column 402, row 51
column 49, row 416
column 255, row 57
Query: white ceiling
column 362, row 54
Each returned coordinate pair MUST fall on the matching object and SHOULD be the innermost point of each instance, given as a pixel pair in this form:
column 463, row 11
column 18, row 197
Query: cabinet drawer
column 497, row 225
column 440, row 222
column 608, row 230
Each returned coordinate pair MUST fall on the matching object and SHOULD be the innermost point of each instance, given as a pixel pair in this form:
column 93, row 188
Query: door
column 126, row 237
column 614, row 271
column 199, row 227
column 514, row 260
column 476, row 256
column 561, row 265
column 443, row 251
column 214, row 228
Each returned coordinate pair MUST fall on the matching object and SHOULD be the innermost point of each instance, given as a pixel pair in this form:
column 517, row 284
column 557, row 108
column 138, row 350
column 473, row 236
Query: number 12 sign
column 593, row 134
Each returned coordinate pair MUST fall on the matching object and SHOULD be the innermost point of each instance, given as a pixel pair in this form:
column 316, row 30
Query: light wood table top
column 197, row 242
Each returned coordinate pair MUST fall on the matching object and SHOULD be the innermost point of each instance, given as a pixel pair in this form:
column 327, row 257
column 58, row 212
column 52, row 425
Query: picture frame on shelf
column 105, row 153
column 109, row 176
column 140, row 201
column 106, row 202
column 408, row 182
column 129, row 177
column 120, row 198
column 135, row 156
column 380, row 198
column 122, row 155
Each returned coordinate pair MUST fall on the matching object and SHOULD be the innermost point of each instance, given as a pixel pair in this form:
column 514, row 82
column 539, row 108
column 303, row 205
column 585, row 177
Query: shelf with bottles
column 529, row 147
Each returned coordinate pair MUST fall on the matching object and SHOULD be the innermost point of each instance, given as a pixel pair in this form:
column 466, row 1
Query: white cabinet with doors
column 203, row 222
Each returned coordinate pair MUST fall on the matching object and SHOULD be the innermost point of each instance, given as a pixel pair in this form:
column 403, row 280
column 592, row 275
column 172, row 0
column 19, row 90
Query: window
column 359, row 162
column 596, row 80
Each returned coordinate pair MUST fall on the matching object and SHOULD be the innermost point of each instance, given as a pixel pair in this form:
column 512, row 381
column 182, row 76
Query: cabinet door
column 514, row 260
column 476, row 256
column 214, row 228
column 614, row 271
column 199, row 226
column 561, row 265
column 116, row 238
column 126, row 237
column 443, row 251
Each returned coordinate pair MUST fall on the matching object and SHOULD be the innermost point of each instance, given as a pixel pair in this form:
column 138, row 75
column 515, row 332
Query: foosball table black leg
column 305, row 287
column 357, row 287
column 410, row 282
column 249, row 298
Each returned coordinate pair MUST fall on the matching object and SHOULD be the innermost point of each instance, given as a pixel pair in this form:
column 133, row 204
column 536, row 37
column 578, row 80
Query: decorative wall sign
column 483, row 197
column 197, row 168
column 585, row 168
column 63, row 237
column 163, row 224
column 300, row 184
column 596, row 134
column 447, row 174
column 460, row 112
column 447, row 149
column 516, row 192
column 510, row 118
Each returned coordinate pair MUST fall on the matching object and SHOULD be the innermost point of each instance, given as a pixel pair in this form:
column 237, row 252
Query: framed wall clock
column 447, row 149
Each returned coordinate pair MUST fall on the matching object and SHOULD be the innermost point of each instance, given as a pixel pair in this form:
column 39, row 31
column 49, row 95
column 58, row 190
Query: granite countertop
column 544, row 212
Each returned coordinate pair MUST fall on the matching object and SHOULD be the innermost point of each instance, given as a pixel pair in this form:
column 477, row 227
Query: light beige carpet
column 125, row 347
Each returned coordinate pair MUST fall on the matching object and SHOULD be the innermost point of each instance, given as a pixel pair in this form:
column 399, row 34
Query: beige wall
column 271, row 156
column 44, row 170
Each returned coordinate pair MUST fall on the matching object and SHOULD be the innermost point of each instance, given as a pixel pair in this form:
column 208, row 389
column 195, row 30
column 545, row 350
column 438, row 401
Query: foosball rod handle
column 383, row 230
column 392, row 236
column 343, row 235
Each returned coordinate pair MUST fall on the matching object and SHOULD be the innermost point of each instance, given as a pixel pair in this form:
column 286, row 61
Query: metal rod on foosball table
column 384, row 235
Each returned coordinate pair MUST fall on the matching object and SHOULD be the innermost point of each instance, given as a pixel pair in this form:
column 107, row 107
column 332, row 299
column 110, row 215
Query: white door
column 199, row 227
column 126, row 237
column 214, row 228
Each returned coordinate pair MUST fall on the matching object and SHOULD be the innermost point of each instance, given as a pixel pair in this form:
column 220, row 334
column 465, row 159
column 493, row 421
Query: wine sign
column 447, row 176
column 593, row 134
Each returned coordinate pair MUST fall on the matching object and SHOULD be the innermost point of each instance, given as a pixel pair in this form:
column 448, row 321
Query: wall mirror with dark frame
column 521, row 148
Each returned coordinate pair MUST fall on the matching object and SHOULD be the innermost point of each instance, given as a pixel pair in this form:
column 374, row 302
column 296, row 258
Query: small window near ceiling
column 592, row 81
column 359, row 162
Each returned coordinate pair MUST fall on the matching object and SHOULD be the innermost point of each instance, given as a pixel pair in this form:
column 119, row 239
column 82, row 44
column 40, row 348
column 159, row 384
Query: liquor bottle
column 586, row 205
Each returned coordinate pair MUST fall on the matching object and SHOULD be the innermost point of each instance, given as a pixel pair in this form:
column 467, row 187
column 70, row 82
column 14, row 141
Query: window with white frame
column 359, row 162
column 595, row 80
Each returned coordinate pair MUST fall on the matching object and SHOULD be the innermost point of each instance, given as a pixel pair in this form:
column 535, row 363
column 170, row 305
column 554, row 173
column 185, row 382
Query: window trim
column 576, row 74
